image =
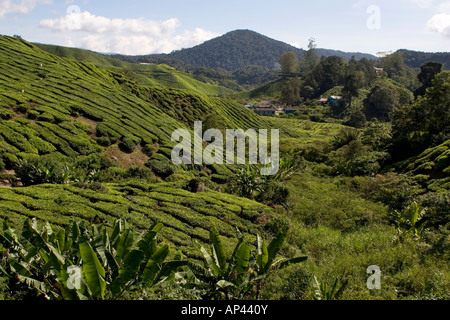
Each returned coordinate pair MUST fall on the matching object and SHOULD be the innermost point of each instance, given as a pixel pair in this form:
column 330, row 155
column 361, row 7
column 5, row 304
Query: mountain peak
column 242, row 47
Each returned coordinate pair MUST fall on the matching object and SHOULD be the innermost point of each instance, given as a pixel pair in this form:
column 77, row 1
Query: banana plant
column 82, row 263
column 242, row 274
column 410, row 222
column 322, row 292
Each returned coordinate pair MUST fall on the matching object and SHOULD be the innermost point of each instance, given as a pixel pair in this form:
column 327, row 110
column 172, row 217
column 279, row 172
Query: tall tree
column 311, row 58
column 381, row 102
column 354, row 80
column 394, row 65
column 291, row 94
column 289, row 63
column 427, row 73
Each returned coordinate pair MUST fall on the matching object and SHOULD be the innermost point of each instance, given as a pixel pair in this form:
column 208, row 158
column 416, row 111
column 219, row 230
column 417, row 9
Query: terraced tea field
column 186, row 216
column 46, row 99
column 63, row 109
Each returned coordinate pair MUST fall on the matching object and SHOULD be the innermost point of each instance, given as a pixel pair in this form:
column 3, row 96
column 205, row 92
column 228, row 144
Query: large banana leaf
column 128, row 272
column 275, row 246
column 93, row 271
column 262, row 257
column 125, row 244
column 154, row 265
column 287, row 262
column 209, row 261
column 218, row 250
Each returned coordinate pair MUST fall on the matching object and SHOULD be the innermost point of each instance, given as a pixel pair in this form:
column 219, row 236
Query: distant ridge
column 237, row 49
column 416, row 59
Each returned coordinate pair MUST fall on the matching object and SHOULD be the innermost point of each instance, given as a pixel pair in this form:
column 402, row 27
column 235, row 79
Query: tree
column 329, row 73
column 289, row 63
column 394, row 66
column 311, row 58
column 426, row 122
column 367, row 68
column 427, row 73
column 381, row 102
column 354, row 80
column 291, row 93
column 357, row 120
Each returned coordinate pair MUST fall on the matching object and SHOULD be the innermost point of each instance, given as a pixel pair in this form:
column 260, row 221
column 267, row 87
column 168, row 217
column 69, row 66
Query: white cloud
column 19, row 6
column 423, row 3
column 440, row 23
column 125, row 36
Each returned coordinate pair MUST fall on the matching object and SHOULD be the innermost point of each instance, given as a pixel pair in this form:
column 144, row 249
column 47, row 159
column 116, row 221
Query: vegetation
column 86, row 145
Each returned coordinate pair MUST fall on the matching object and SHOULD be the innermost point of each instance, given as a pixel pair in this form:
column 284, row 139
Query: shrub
column 95, row 186
column 150, row 150
column 33, row 171
column 162, row 168
column 273, row 194
column 128, row 144
column 438, row 208
column 46, row 117
column 139, row 172
column 6, row 114
column 104, row 141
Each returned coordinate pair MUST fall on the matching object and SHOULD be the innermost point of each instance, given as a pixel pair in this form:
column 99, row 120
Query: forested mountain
column 236, row 50
column 416, row 59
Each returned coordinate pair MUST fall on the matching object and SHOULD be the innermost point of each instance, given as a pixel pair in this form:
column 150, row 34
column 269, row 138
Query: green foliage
column 357, row 120
column 381, row 102
column 82, row 263
column 243, row 274
column 34, row 172
column 162, row 168
column 410, row 222
column 289, row 63
column 424, row 123
column 291, row 95
column 323, row 292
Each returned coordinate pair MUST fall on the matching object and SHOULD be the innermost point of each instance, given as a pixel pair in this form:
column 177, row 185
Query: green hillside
column 83, row 141
column 186, row 216
column 76, row 112
column 155, row 75
column 50, row 104
column 432, row 167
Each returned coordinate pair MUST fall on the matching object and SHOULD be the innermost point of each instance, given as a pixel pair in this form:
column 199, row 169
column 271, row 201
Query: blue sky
column 143, row 27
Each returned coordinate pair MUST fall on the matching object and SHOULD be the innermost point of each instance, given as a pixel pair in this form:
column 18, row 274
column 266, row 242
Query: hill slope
column 152, row 75
column 238, row 49
column 62, row 109
column 416, row 59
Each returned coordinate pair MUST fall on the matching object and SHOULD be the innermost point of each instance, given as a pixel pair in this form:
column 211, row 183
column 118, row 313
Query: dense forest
column 93, row 208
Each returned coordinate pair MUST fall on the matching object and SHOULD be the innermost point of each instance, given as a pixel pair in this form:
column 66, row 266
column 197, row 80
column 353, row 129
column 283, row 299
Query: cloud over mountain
column 124, row 36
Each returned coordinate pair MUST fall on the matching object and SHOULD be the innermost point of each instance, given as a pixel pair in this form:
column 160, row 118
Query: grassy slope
column 62, row 90
column 161, row 76
column 432, row 166
column 269, row 91
column 66, row 105
column 187, row 217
